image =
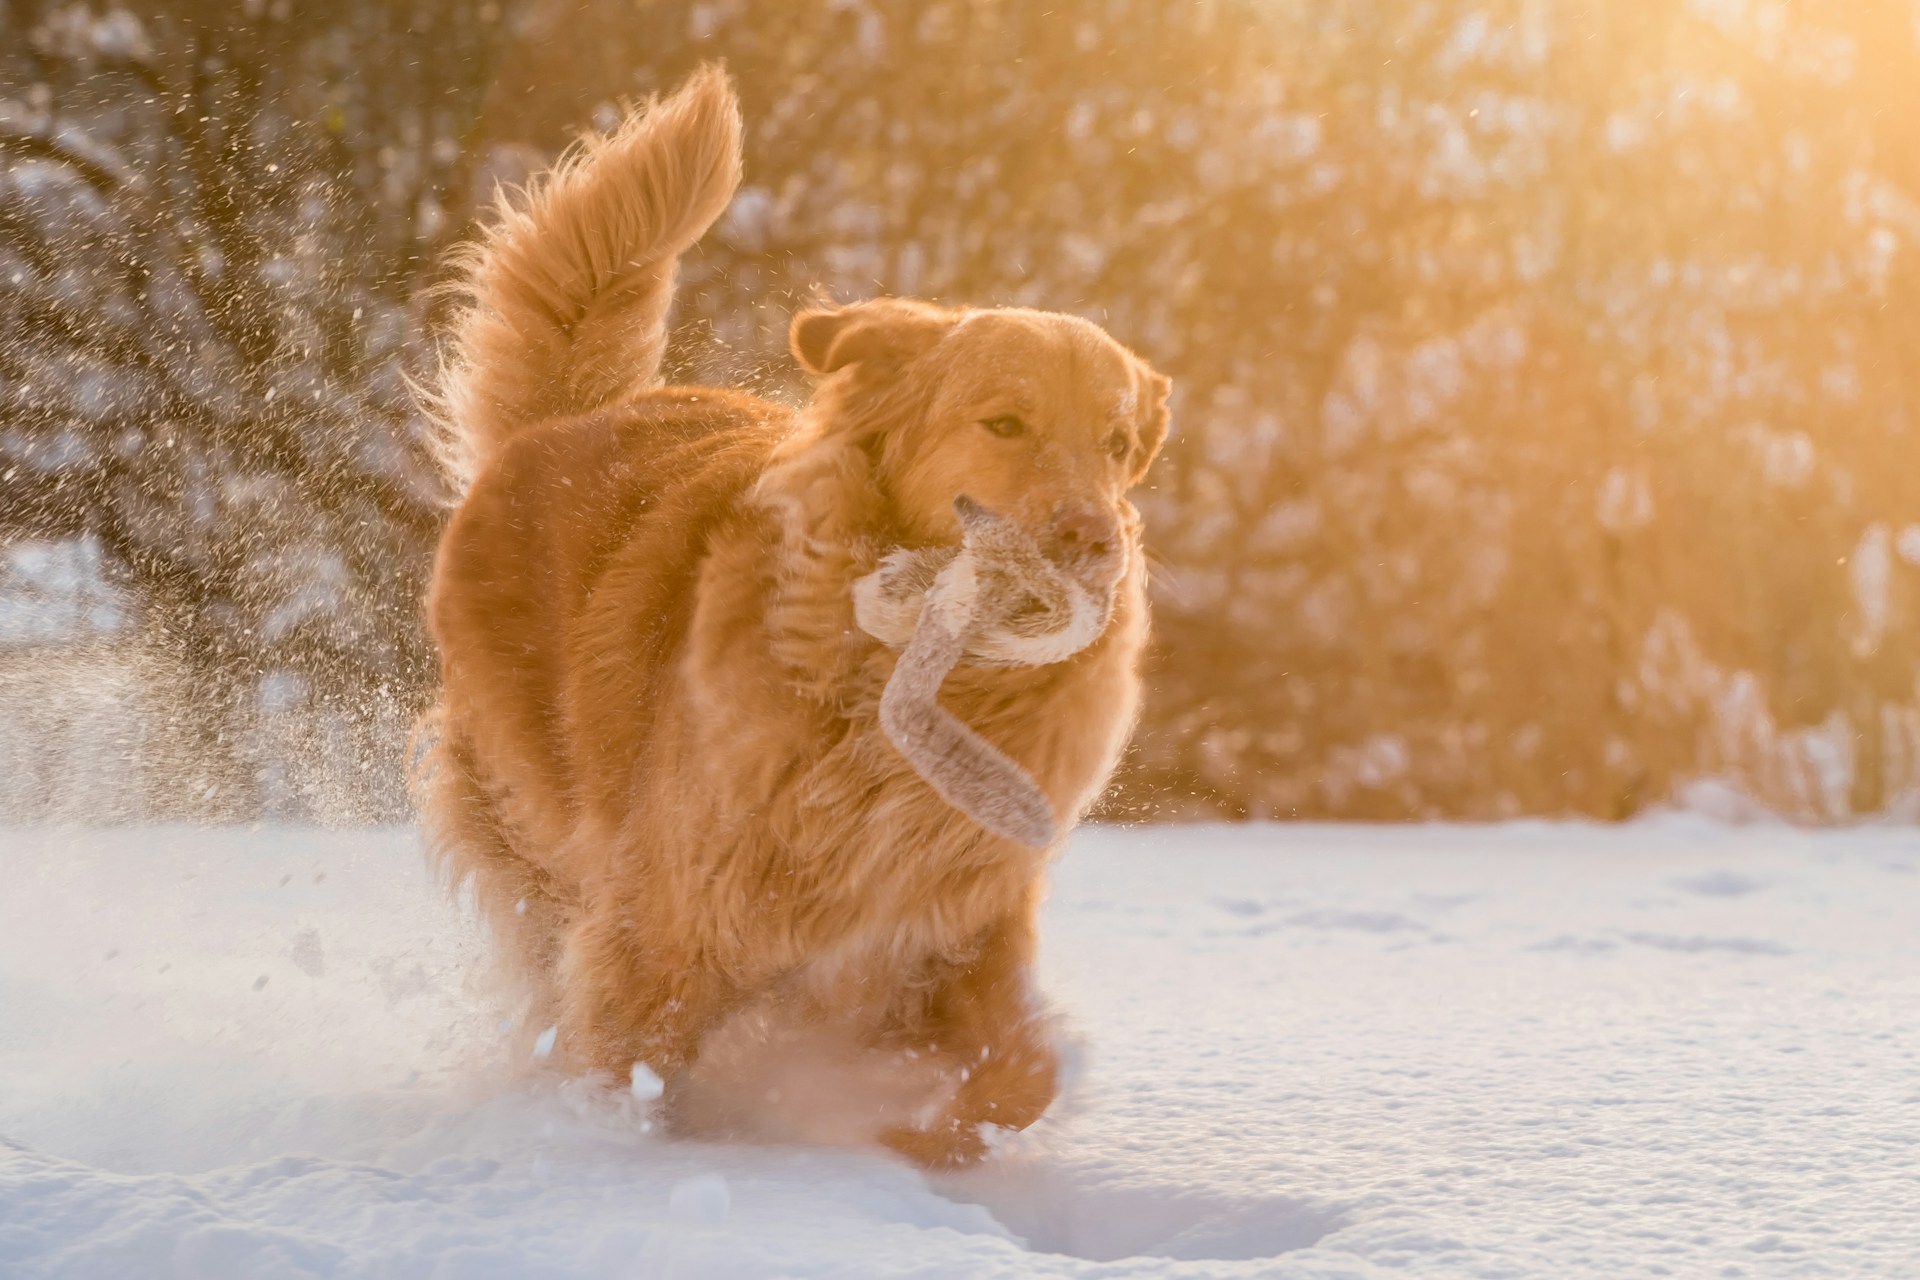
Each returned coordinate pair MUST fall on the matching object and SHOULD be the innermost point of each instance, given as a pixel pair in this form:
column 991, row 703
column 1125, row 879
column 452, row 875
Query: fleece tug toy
column 995, row 600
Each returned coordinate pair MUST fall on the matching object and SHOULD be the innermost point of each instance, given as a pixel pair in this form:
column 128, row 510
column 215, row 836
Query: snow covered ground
column 1668, row 1049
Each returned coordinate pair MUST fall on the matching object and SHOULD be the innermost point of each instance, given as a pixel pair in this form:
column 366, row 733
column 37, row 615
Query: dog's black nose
column 1086, row 532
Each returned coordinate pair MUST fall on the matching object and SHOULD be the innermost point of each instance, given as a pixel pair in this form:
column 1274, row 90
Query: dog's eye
column 1006, row 426
column 1118, row 446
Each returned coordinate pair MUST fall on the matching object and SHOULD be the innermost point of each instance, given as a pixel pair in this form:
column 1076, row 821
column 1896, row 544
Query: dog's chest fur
column 842, row 851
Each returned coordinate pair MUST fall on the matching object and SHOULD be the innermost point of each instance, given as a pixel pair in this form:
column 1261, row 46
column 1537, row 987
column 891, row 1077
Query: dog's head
column 1040, row 417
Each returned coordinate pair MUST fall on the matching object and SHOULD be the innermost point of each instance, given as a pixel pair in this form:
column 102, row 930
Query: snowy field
column 1669, row 1049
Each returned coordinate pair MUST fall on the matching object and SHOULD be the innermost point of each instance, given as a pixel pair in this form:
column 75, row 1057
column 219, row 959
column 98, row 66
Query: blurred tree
column 211, row 223
column 1545, row 409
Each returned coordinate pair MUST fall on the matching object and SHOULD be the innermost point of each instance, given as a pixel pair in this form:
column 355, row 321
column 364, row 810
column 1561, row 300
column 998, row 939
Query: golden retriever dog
column 657, row 756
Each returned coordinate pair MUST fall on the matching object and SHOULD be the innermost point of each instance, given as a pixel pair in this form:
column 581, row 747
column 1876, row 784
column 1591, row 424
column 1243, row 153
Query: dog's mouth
column 1092, row 550
column 1099, row 566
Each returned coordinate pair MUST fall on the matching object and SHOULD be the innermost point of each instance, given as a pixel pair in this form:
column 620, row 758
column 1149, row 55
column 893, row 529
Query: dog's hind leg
column 467, row 841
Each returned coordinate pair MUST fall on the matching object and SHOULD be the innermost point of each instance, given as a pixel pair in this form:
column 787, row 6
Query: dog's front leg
column 636, row 998
column 985, row 1020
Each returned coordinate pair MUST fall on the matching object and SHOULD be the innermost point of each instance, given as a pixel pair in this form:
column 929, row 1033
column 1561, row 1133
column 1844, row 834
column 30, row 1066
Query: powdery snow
column 1665, row 1049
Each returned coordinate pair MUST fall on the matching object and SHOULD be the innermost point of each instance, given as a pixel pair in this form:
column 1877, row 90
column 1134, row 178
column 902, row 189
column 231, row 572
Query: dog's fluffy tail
column 564, row 301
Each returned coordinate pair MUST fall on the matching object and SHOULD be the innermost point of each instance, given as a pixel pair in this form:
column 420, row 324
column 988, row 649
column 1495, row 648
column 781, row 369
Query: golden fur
column 656, row 755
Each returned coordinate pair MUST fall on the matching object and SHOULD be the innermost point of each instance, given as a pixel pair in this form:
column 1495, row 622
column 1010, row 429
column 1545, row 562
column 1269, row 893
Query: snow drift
column 1665, row 1049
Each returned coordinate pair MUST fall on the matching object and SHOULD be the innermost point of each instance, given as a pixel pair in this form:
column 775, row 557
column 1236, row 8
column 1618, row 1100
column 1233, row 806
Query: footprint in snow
column 1696, row 943
column 1688, row 944
column 1358, row 921
column 1720, row 884
column 1057, row 1212
column 1577, row 945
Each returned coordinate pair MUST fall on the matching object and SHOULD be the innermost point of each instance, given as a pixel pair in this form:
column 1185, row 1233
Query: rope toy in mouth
column 994, row 600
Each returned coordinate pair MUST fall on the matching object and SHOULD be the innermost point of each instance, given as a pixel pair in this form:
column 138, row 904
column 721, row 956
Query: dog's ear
column 1154, row 420
column 887, row 332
